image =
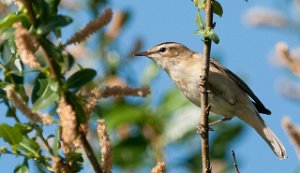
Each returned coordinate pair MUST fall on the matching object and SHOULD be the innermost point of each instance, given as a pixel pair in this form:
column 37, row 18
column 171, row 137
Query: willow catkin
column 68, row 124
column 106, row 148
column 19, row 103
column 91, row 27
column 26, row 46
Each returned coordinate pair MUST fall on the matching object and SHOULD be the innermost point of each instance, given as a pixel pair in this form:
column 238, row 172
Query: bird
column 228, row 95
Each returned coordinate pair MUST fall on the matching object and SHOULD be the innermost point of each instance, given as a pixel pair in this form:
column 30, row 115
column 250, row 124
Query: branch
column 89, row 153
column 206, row 168
column 234, row 162
column 27, row 4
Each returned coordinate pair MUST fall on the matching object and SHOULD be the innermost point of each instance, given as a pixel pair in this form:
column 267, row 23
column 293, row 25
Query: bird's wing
column 258, row 104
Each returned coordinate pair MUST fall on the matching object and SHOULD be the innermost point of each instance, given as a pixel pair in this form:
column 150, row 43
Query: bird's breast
column 187, row 79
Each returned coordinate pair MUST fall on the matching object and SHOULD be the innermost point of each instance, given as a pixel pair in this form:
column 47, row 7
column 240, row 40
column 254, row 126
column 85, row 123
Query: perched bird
column 228, row 95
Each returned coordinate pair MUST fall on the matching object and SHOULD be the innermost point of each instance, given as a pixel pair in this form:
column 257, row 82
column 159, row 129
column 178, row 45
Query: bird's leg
column 219, row 121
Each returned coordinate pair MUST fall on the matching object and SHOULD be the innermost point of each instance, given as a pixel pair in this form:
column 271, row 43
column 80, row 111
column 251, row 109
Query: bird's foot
column 201, row 130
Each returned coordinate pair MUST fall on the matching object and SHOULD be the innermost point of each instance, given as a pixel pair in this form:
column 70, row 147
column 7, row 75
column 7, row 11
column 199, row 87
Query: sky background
column 243, row 49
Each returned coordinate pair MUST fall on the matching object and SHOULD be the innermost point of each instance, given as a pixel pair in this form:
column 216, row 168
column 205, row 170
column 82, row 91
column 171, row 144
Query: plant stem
column 206, row 168
column 234, row 162
column 89, row 153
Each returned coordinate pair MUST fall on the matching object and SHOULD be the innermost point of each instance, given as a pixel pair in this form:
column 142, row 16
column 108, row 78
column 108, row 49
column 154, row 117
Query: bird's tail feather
column 266, row 133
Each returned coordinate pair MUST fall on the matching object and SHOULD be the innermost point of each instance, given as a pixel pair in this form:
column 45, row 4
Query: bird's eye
column 162, row 49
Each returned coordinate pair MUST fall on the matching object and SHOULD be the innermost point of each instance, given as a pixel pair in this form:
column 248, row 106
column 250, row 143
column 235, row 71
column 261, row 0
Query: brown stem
column 206, row 168
column 234, row 162
column 53, row 66
column 89, row 153
column 45, row 142
column 27, row 4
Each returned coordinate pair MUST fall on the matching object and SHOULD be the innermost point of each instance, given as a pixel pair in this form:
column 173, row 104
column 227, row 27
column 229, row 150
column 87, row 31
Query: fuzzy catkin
column 159, row 168
column 68, row 124
column 26, row 46
column 106, row 148
column 19, row 103
column 91, row 27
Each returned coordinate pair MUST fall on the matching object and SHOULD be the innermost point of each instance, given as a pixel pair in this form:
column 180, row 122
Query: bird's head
column 166, row 52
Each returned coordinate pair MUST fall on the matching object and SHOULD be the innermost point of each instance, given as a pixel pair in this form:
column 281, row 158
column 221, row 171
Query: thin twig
column 27, row 4
column 45, row 142
column 234, row 162
column 206, row 168
column 90, row 154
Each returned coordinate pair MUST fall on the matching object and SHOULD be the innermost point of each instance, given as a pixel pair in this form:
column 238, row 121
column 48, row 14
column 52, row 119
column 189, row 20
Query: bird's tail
column 266, row 133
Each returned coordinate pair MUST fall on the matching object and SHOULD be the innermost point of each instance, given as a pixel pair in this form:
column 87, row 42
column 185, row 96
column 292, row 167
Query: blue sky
column 242, row 49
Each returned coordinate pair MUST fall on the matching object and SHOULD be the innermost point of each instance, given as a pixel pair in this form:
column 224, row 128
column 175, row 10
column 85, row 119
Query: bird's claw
column 201, row 130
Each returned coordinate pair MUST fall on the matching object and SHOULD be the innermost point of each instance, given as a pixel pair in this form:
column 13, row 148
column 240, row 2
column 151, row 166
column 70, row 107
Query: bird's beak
column 141, row 53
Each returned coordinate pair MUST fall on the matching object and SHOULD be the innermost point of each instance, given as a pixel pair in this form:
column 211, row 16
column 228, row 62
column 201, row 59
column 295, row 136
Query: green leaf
column 223, row 139
column 53, row 23
column 56, row 143
column 217, row 8
column 199, row 21
column 77, row 106
column 39, row 86
column 76, row 160
column 134, row 147
column 2, row 93
column 53, row 5
column 8, row 33
column 12, row 135
column 200, row 32
column 213, row 36
column 11, row 112
column 48, row 97
column 24, row 128
column 18, row 79
column 18, row 64
column 68, row 62
column 200, row 4
column 172, row 101
column 10, row 20
column 23, row 168
column 80, row 78
column 45, row 101
column 31, row 147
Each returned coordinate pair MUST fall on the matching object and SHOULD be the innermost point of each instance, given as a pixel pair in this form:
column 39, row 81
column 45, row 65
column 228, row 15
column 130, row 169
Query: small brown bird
column 228, row 95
